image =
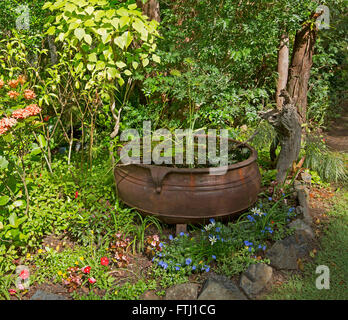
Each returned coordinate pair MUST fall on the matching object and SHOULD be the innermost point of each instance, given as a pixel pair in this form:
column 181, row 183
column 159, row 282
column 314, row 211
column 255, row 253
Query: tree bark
column 301, row 63
column 286, row 123
column 283, row 67
column 150, row 8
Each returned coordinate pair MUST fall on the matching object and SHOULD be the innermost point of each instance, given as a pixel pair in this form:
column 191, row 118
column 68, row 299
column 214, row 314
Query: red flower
column 86, row 269
column 76, row 194
column 47, row 118
column 24, row 274
column 12, row 292
column 92, row 280
column 104, row 261
column 272, row 221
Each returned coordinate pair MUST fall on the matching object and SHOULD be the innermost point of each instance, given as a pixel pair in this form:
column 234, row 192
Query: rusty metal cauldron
column 184, row 195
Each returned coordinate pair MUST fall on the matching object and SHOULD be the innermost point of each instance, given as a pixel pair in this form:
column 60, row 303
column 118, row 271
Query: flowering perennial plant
column 120, row 249
column 14, row 102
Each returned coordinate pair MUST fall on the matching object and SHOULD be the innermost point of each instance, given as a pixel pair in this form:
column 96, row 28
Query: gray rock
column 184, row 291
column 43, row 295
column 220, row 288
column 299, row 224
column 255, row 279
column 285, row 253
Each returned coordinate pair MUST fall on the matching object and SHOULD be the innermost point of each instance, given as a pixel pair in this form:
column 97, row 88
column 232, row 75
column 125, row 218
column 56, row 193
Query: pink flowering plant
column 20, row 120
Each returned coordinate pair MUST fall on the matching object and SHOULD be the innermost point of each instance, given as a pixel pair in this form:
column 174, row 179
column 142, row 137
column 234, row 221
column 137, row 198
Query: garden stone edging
column 218, row 287
column 255, row 279
column 284, row 254
column 183, row 291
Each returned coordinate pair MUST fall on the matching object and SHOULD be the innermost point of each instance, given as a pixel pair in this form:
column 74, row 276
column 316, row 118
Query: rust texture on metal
column 181, row 196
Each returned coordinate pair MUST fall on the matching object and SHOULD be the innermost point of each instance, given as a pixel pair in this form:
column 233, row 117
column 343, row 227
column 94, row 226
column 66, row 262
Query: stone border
column 286, row 254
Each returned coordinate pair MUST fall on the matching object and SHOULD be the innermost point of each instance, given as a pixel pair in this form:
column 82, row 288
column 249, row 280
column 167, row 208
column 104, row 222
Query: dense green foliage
column 208, row 64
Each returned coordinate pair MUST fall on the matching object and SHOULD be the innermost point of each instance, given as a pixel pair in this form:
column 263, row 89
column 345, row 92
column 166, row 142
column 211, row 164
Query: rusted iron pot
column 183, row 195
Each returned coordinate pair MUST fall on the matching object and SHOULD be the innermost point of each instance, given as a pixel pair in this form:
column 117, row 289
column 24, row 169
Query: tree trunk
column 301, row 63
column 150, row 8
column 286, row 123
column 283, row 67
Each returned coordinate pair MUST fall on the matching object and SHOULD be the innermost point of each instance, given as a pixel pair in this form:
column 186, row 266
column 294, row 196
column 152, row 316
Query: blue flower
column 153, row 259
column 160, row 263
column 211, row 220
column 222, row 239
column 246, row 242
column 251, row 218
column 292, row 209
column 207, row 268
column 218, row 229
column 270, row 198
column 182, row 234
column 217, row 237
column 165, row 265
column 249, row 249
column 193, row 267
column 171, row 237
column 259, row 246
column 264, row 248
column 159, row 254
column 214, row 257
column 177, row 268
column 188, row 261
column 161, row 244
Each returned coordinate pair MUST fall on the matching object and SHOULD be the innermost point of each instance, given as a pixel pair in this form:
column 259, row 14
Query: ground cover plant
column 79, row 73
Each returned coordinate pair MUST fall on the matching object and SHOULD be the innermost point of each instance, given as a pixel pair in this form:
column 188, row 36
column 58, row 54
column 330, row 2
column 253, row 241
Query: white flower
column 212, row 240
column 208, row 227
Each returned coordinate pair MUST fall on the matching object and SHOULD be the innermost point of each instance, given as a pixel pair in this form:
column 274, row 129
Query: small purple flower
column 188, row 261
column 214, row 257
column 193, row 267
column 182, row 234
column 171, row 237
column 218, row 229
column 264, row 248
column 270, row 198
column 165, row 265
column 249, row 249
column 161, row 244
column 177, row 268
column 207, row 268
column 211, row 220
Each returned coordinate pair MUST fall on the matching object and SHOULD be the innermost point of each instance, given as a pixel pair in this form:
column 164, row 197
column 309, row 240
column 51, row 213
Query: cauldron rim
column 252, row 158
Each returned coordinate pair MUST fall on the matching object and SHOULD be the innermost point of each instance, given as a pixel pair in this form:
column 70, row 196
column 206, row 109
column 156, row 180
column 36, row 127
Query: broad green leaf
column 120, row 64
column 122, row 12
column 93, row 57
column 79, row 33
column 3, row 163
column 100, row 65
column 42, row 141
column 132, row 6
column 90, row 66
column 127, row 72
column 51, row 30
column 89, row 10
column 4, row 200
column 99, row 14
column 145, row 62
column 89, row 23
column 120, row 82
column 88, row 39
column 156, row 58
column 123, row 21
column 19, row 203
column 110, row 13
column 12, row 219
column 46, row 5
column 70, row 7
column 120, row 42
column 115, row 22
column 113, row 73
column 135, row 64
column 79, row 67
